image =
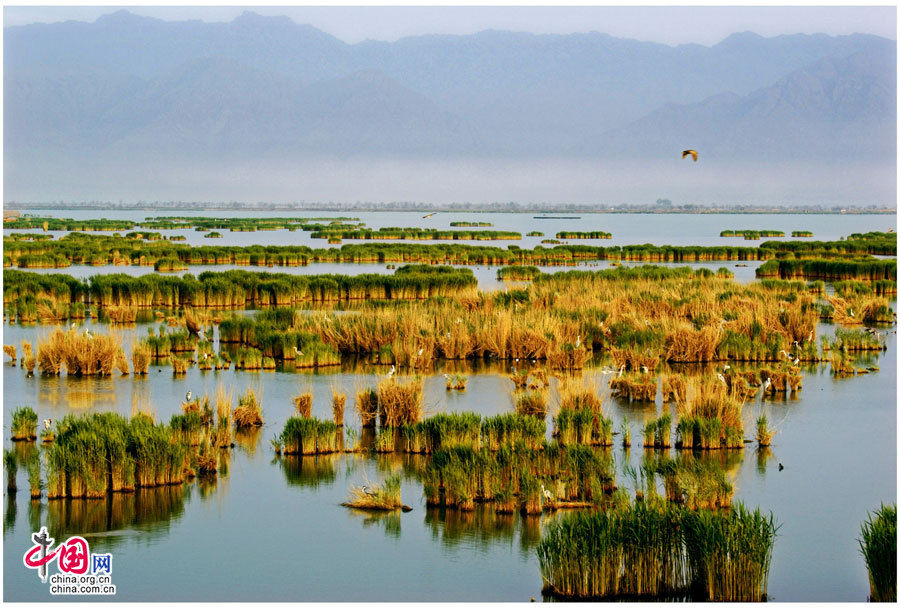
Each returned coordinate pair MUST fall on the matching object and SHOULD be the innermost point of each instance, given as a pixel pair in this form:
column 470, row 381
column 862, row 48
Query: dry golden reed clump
column 367, row 406
column 28, row 360
column 400, row 403
column 249, row 410
column 222, row 401
column 140, row 357
column 81, row 353
column 303, row 404
column 338, row 400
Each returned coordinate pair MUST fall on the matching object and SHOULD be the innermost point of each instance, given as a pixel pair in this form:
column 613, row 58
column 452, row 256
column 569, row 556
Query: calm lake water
column 626, row 229
column 272, row 528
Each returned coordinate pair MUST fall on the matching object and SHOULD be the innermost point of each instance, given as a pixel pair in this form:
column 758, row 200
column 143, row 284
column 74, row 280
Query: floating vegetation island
column 751, row 234
column 414, row 233
column 597, row 234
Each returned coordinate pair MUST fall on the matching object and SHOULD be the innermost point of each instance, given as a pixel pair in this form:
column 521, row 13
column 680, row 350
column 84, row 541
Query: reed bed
column 517, row 273
column 764, row 433
column 309, row 436
column 24, row 424
column 103, row 249
column 752, row 234
column 694, row 483
column 456, row 382
column 729, row 553
column 710, row 418
column 621, row 554
column 140, row 357
column 634, row 386
column 338, row 401
column 400, row 403
column 80, row 353
column 878, row 545
column 223, row 417
column 383, row 497
column 303, row 404
column 531, row 403
column 249, row 410
column 97, row 454
column 367, row 406
column 559, row 319
column 652, row 550
column 10, row 350
column 414, row 233
column 29, row 361
column 830, row 270
column 597, row 234
column 518, row 476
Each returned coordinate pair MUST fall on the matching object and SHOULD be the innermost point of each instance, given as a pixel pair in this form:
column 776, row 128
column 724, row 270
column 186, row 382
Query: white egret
column 547, row 495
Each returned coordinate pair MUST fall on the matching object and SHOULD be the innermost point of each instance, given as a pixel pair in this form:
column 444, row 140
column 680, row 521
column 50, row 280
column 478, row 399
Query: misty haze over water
column 262, row 108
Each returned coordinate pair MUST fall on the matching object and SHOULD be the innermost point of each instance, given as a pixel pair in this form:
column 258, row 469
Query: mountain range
column 260, row 88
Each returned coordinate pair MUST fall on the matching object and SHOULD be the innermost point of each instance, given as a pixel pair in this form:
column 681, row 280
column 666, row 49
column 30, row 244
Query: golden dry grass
column 249, row 410
column 338, row 401
column 80, row 353
column 140, row 357
column 367, row 406
column 303, row 404
column 400, row 402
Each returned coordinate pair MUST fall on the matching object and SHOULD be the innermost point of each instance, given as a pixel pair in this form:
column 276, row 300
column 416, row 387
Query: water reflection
column 389, row 521
column 248, row 439
column 482, row 527
column 309, row 471
column 763, row 456
column 9, row 514
column 80, row 393
column 150, row 509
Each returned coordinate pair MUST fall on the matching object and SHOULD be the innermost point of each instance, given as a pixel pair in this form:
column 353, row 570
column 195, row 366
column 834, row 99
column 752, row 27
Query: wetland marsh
column 547, row 371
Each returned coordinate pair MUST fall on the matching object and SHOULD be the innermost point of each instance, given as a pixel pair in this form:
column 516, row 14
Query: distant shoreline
column 499, row 208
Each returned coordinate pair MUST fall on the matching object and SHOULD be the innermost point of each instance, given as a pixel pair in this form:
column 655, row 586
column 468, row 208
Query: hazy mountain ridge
column 834, row 108
column 258, row 88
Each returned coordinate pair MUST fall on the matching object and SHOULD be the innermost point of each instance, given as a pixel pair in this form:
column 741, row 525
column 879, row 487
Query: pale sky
column 667, row 24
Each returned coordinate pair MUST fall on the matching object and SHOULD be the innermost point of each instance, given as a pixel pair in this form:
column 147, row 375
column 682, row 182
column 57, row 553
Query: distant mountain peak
column 740, row 38
column 250, row 18
column 122, row 17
